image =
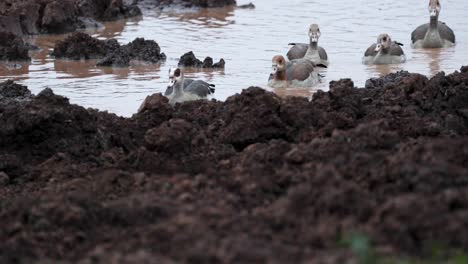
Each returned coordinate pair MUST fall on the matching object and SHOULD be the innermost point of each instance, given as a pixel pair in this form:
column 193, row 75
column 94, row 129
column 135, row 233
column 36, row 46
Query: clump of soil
column 12, row 47
column 189, row 60
column 51, row 16
column 254, row 179
column 82, row 46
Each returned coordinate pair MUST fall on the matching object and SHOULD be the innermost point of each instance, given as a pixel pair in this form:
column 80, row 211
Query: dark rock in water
column 189, row 60
column 11, row 89
column 118, row 58
column 110, row 52
column 255, row 179
column 219, row 64
column 145, row 50
column 12, row 47
column 80, row 46
column 52, row 16
column 247, row 6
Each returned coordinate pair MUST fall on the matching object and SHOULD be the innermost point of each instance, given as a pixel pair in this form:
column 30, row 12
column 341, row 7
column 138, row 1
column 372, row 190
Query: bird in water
column 384, row 51
column 434, row 34
column 295, row 73
column 311, row 51
column 181, row 89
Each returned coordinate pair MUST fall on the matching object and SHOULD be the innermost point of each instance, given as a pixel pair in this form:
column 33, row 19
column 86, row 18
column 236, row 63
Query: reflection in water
column 115, row 29
column 303, row 92
column 208, row 17
column 14, row 68
column 247, row 40
column 382, row 70
column 76, row 69
column 136, row 68
column 434, row 57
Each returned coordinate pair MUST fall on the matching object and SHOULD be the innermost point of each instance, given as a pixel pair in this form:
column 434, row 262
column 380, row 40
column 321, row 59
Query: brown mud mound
column 52, row 16
column 12, row 47
column 82, row 46
column 189, row 60
column 255, row 179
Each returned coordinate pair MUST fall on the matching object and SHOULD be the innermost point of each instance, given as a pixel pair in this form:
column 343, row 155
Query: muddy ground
column 254, row 179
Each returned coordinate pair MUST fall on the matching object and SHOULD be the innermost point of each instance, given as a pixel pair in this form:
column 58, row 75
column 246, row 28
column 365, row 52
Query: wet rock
column 118, row 58
column 247, row 6
column 51, row 16
column 189, row 60
column 145, row 50
column 82, row 46
column 12, row 47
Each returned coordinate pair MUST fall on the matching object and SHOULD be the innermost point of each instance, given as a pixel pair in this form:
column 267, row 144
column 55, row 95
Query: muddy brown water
column 247, row 40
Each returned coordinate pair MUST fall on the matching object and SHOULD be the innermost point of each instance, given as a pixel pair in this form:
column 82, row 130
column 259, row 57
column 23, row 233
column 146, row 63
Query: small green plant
column 360, row 245
column 362, row 248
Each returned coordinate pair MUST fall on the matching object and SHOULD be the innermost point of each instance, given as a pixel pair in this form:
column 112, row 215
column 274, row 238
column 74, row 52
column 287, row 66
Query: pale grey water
column 247, row 40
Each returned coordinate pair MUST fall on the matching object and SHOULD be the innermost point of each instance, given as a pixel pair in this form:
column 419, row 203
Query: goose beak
column 433, row 12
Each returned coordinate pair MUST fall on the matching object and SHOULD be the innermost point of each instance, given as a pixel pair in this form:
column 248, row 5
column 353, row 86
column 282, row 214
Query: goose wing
column 371, row 51
column 297, row 51
column 446, row 32
column 419, row 33
column 396, row 50
column 299, row 70
column 200, row 88
column 322, row 53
